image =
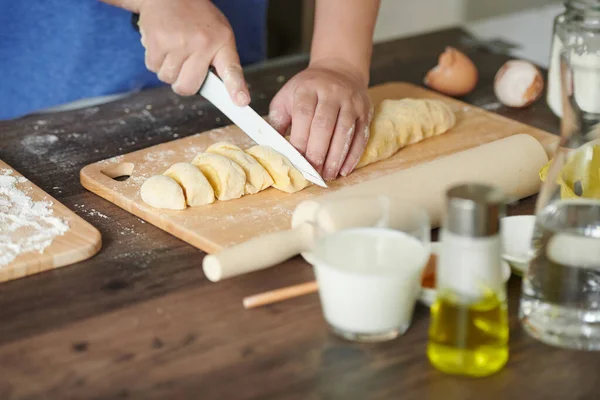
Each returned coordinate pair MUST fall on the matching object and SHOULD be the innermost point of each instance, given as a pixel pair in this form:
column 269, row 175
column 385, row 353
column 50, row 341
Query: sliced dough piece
column 285, row 176
column 257, row 177
column 398, row 123
column 196, row 188
column 226, row 177
column 160, row 191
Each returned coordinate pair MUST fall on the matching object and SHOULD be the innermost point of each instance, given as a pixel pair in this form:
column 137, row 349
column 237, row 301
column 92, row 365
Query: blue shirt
column 56, row 51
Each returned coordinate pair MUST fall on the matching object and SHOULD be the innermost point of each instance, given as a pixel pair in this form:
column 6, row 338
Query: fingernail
column 330, row 174
column 317, row 162
column 275, row 118
column 347, row 171
column 243, row 98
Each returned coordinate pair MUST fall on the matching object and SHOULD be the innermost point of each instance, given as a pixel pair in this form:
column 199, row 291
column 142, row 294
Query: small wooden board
column 79, row 243
column 223, row 224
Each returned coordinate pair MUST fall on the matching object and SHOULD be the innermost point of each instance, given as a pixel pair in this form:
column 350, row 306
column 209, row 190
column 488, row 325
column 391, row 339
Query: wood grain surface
column 79, row 243
column 226, row 223
column 139, row 321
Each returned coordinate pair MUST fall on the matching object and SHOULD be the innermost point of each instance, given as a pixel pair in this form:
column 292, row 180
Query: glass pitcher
column 560, row 303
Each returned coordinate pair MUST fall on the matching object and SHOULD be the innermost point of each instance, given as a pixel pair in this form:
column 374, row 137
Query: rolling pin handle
column 259, row 253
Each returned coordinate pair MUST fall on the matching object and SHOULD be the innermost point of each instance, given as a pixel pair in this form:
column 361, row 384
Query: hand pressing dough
column 196, row 188
column 285, row 176
column 398, row 123
column 226, row 177
column 257, row 177
column 163, row 192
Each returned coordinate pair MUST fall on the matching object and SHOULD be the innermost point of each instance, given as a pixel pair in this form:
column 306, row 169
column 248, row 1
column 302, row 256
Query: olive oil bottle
column 468, row 331
column 468, row 337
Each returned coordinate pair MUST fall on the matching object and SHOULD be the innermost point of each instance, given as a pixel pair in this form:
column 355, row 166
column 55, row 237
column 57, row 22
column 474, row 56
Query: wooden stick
column 277, row 295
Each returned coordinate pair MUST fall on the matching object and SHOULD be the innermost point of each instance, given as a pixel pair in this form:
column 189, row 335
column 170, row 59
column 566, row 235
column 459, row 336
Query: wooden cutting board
column 223, row 224
column 81, row 241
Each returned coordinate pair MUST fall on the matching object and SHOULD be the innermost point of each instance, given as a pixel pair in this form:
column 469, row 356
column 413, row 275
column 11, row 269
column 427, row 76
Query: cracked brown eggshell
column 455, row 74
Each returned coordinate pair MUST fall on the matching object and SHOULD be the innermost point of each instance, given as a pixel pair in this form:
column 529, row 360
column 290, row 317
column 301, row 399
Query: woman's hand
column 329, row 112
column 183, row 38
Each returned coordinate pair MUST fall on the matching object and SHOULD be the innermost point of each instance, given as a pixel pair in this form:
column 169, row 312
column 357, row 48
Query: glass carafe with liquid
column 560, row 303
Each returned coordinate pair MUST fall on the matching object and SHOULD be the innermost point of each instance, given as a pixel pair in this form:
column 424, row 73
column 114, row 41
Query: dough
column 196, row 188
column 226, row 177
column 398, row 123
column 160, row 191
column 257, row 177
column 285, row 176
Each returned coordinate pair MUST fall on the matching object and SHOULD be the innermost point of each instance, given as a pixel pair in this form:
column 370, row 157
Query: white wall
column 407, row 17
column 399, row 18
column 478, row 9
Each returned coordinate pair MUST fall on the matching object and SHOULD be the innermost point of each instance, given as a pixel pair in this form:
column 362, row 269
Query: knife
column 213, row 89
column 253, row 125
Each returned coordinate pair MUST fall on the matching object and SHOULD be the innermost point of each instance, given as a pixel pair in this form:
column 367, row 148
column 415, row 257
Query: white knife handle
column 259, row 253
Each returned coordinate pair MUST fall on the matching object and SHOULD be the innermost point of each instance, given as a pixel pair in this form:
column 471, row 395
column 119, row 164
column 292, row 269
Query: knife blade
column 253, row 125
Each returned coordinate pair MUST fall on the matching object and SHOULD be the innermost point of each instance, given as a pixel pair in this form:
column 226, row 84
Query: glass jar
column 572, row 26
column 560, row 303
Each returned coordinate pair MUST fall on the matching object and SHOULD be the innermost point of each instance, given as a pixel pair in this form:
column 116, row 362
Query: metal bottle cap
column 474, row 210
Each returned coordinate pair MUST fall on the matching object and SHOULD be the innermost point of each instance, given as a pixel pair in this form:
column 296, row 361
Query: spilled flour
column 25, row 225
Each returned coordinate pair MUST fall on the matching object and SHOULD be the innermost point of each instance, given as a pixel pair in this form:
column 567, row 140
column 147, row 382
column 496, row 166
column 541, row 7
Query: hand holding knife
column 252, row 124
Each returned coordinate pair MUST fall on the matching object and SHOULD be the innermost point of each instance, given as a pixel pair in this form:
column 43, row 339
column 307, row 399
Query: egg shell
column 518, row 83
column 455, row 74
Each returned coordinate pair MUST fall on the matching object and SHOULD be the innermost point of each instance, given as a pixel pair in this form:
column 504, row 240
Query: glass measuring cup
column 368, row 258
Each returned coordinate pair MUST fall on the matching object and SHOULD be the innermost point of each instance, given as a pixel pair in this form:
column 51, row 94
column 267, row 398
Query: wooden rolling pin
column 511, row 164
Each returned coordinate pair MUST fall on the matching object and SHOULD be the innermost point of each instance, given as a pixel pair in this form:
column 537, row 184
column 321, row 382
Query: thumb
column 280, row 111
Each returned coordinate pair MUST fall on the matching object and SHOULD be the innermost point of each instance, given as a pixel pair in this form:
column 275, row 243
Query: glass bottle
column 560, row 303
column 468, row 330
column 575, row 21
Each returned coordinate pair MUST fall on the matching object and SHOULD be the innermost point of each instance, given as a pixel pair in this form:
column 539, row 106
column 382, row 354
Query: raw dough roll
column 160, row 191
column 196, row 188
column 226, row 177
column 398, row 123
column 257, row 177
column 285, row 176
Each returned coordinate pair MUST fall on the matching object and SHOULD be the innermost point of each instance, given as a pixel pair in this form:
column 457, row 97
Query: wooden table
column 139, row 320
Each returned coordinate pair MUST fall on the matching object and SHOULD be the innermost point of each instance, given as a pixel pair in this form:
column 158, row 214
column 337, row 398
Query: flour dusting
column 114, row 160
column 492, row 106
column 25, row 225
column 148, row 115
column 193, row 151
column 231, row 135
column 39, row 144
column 160, row 156
column 164, row 129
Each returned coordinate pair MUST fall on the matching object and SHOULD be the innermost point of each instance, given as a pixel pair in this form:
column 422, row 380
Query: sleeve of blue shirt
column 57, row 51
